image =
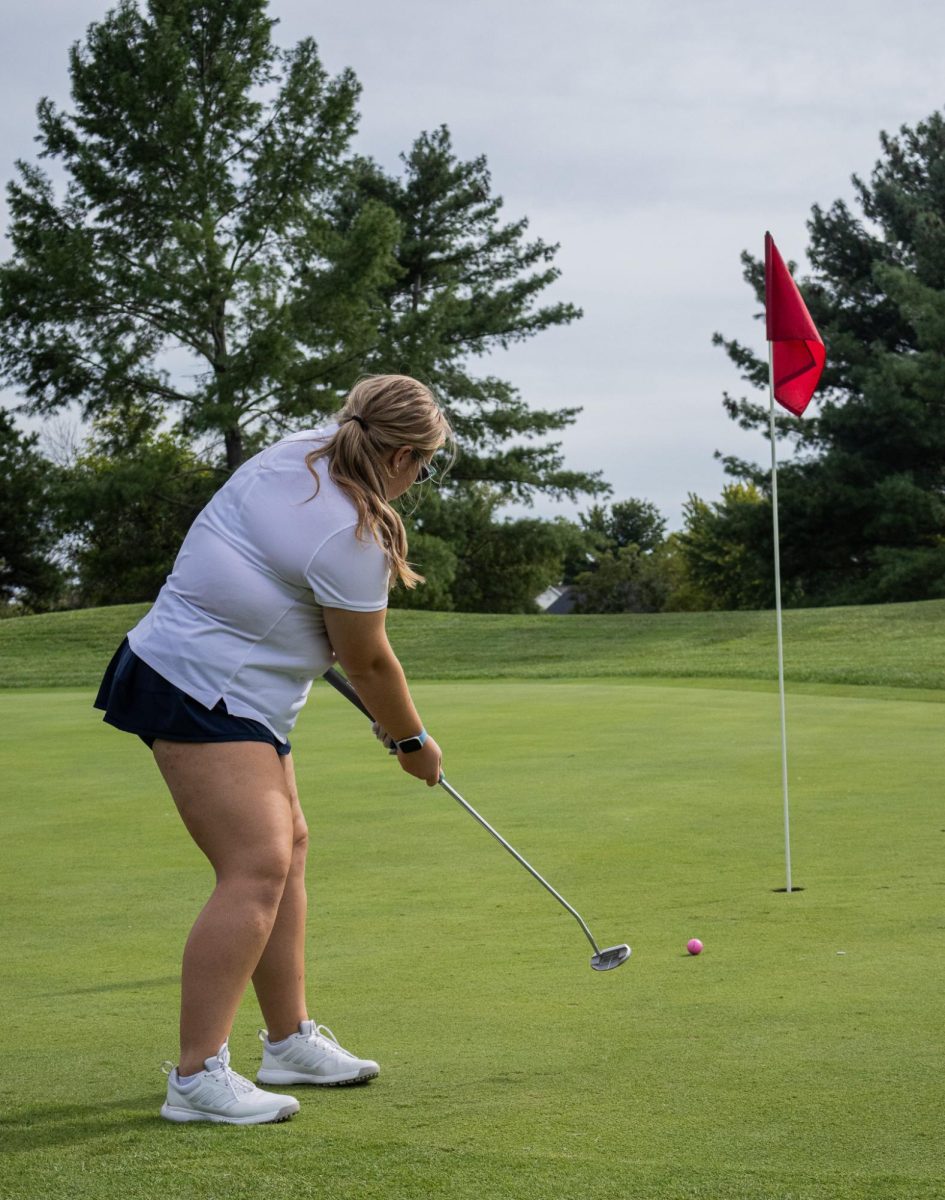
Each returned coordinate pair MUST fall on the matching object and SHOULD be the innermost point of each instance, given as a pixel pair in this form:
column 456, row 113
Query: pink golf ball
column 694, row 946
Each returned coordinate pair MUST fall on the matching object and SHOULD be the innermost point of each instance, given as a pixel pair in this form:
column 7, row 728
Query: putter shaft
column 515, row 854
column 340, row 684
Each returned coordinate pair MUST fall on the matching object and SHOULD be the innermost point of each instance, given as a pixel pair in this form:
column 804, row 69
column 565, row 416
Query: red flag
column 798, row 352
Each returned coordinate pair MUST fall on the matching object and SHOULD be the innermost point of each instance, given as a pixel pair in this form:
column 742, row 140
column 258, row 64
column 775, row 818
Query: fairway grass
column 880, row 645
column 798, row 1058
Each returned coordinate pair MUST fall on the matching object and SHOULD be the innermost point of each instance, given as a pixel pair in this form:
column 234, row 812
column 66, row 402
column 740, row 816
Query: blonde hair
column 381, row 414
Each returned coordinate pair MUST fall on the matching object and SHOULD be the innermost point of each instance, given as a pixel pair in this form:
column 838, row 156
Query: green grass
column 890, row 645
column 635, row 761
column 773, row 1067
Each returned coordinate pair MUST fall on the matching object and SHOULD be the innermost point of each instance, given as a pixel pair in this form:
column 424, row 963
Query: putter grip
column 340, row 684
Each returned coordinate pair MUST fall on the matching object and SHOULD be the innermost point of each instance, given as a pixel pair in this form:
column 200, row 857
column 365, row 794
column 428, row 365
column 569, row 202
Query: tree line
column 215, row 218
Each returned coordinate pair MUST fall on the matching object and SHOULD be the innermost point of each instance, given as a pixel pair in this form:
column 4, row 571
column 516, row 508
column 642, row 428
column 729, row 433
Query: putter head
column 613, row 956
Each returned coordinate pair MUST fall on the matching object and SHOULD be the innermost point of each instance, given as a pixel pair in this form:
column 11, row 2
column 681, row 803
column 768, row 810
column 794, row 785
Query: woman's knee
column 299, row 825
column 299, row 840
column 261, row 876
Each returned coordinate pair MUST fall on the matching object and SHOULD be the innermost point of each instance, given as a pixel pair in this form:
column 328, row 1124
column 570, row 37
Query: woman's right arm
column 359, row 640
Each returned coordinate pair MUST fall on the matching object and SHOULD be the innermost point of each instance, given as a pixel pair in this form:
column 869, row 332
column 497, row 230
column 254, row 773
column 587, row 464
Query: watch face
column 409, row 744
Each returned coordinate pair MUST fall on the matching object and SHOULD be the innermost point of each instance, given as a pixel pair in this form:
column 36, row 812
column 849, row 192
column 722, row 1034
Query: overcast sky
column 653, row 141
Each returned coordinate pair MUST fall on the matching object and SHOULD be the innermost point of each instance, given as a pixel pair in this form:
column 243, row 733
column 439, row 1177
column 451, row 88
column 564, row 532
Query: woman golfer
column 286, row 569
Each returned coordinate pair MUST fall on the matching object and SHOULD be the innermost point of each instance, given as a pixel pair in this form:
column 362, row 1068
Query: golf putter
column 601, row 960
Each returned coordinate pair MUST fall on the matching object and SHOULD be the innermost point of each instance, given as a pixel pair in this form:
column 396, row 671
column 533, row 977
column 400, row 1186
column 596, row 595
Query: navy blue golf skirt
column 138, row 700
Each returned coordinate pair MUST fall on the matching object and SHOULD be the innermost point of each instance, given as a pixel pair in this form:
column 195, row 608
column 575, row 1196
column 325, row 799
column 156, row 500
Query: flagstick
column 777, row 586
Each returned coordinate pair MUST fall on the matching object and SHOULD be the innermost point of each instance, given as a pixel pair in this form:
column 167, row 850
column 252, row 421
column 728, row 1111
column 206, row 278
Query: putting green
column 798, row 1057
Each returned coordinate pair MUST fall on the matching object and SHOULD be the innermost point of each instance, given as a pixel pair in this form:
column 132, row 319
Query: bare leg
column 235, row 802
column 279, row 978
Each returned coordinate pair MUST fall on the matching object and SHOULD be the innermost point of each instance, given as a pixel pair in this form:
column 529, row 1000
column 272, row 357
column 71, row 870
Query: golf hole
column 784, row 889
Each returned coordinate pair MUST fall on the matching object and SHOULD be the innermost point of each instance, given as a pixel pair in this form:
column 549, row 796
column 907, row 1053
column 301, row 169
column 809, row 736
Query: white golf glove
column 384, row 737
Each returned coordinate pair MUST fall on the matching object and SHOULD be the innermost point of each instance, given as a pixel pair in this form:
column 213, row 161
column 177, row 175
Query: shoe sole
column 271, row 1076
column 183, row 1115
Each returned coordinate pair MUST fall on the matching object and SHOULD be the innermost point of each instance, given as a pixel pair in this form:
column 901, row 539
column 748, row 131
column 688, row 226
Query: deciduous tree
column 198, row 160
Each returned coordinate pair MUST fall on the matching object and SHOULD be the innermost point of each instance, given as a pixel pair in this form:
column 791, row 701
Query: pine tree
column 467, row 284
column 863, row 506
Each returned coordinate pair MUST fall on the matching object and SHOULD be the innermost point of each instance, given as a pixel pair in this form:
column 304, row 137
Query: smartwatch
column 409, row 745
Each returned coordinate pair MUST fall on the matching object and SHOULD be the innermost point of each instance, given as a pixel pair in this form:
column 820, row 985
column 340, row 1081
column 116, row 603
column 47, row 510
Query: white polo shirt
column 240, row 616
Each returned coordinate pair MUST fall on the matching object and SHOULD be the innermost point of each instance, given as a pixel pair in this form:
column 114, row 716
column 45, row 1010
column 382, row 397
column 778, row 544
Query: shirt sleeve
column 346, row 572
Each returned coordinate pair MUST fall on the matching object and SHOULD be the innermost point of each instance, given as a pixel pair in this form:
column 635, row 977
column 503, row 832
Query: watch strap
column 410, row 744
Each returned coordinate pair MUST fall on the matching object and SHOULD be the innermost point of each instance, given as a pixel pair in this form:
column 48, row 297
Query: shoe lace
column 238, row 1084
column 323, row 1033
column 235, row 1082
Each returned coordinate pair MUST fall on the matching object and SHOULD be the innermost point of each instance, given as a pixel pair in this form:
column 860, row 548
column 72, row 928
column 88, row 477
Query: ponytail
column 381, row 414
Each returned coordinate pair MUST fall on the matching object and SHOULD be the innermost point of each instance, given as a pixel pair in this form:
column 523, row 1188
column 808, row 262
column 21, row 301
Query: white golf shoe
column 220, row 1095
column 312, row 1056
